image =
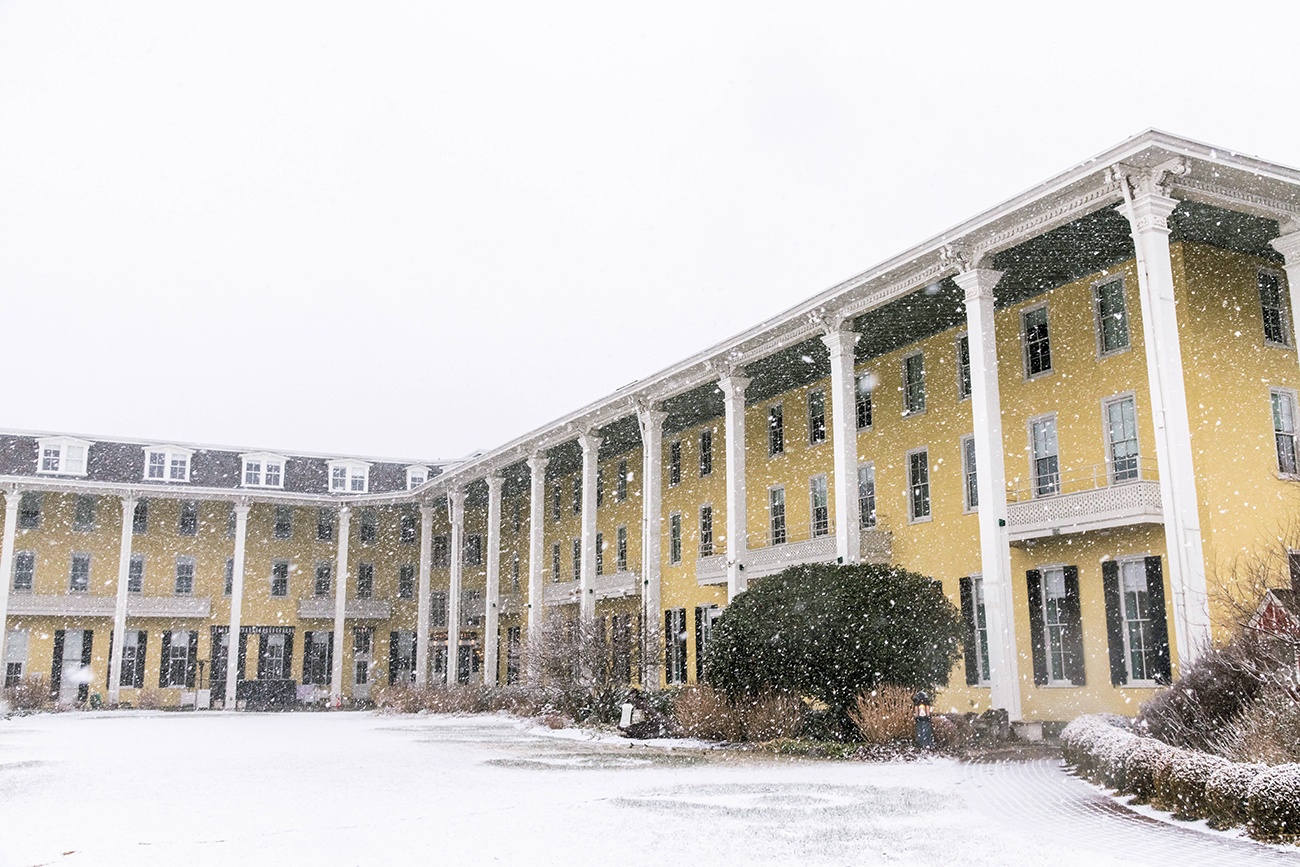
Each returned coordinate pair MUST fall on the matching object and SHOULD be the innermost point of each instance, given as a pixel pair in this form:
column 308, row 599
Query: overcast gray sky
column 418, row 230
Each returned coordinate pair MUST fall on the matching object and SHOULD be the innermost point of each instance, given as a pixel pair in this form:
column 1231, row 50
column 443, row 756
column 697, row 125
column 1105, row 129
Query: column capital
column 589, row 442
column 494, row 483
column 1288, row 244
column 129, row 501
column 456, row 505
column 840, row 341
column 12, row 497
column 1147, row 199
column 344, row 510
column 733, row 381
column 241, row 507
column 427, row 511
column 977, row 283
column 537, row 463
column 650, row 415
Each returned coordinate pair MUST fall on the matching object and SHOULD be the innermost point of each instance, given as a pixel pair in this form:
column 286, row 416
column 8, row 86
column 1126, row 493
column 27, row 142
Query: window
column 79, row 574
column 179, row 649
column 816, row 417
column 577, row 559
column 1122, row 439
column 369, row 530
column 862, row 400
column 600, row 486
column 348, row 476
column 675, row 463
column 1055, row 622
column 1038, row 347
column 675, row 537
column 620, row 484
column 776, row 515
column 675, row 645
column 819, row 502
column 514, row 647
column 140, row 518
column 184, row 576
column 263, row 470
column 775, row 430
column 705, row 617
column 1284, row 432
column 324, row 573
column 63, row 456
column 133, row 646
column 977, row 631
column 135, row 574
column 970, row 478
column 1138, row 617
column 1273, row 303
column 867, row 495
column 473, row 550
column 325, row 524
column 918, row 485
column 514, row 573
column 555, row 562
column 408, row 528
column 280, row 578
column 963, row 367
column 1046, row 461
column 187, row 524
column 1112, row 316
column 441, row 553
column 167, row 464
column 913, row 384
column 273, row 658
column 83, row 516
column 317, row 657
column 15, row 657
column 555, row 501
column 706, row 531
column 438, row 609
column 471, row 609
column 283, row 522
column 229, row 583
column 416, row 476
column 365, row 580
column 620, row 550
column 29, row 511
column 24, row 570
column 600, row 553
column 706, row 453
column 577, row 494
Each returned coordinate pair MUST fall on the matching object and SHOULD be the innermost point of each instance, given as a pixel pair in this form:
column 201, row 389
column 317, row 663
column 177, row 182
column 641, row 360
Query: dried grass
column 30, row 694
column 884, row 715
column 705, row 713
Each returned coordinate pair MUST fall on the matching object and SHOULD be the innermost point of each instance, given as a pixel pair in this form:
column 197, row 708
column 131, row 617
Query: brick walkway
column 1041, row 798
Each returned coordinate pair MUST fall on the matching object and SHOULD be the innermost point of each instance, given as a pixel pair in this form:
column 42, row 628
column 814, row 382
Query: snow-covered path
column 141, row 788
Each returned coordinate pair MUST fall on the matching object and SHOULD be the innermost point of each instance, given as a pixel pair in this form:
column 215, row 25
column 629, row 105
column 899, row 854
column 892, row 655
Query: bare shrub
column 1267, row 731
column 573, row 662
column 30, row 694
column 703, row 712
column 148, row 699
column 884, row 714
column 1210, row 693
column 773, row 714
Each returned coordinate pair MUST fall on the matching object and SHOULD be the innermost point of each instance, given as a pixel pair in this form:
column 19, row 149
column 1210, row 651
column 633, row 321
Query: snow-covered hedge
column 1189, row 783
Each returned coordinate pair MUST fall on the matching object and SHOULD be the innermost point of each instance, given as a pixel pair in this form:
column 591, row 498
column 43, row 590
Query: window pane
column 1038, row 353
column 1047, row 476
column 1121, row 429
column 867, row 495
column 1112, row 316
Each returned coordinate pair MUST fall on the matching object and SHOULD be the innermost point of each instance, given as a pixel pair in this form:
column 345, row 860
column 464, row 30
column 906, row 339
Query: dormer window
column 63, row 456
column 416, row 476
column 167, row 464
column 263, row 470
column 349, row 477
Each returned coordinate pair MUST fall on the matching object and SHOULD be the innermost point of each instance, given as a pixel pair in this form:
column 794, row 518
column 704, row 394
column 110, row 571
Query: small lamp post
column 924, row 725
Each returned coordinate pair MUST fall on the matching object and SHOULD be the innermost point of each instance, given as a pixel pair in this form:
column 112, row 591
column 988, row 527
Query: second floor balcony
column 609, row 586
column 767, row 555
column 84, row 605
column 322, row 608
column 1090, row 498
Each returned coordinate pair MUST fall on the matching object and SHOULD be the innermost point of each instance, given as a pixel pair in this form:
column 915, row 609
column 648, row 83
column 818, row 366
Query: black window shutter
column 972, row 636
column 191, row 660
column 1037, row 639
column 166, row 651
column 1074, row 660
column 1159, row 620
column 88, row 636
column 243, row 659
column 392, row 657
column 308, row 676
column 139, row 661
column 263, row 648
column 669, row 638
column 56, row 673
column 1114, row 622
column 108, row 681
column 699, row 643
column 328, row 676
column 288, row 656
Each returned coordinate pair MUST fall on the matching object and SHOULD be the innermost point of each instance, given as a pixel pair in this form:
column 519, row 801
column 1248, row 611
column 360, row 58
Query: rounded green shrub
column 1225, row 794
column 1141, row 767
column 1185, row 792
column 1273, row 804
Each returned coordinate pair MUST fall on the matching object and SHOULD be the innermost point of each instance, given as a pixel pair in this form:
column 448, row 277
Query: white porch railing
column 77, row 605
column 1091, row 498
column 322, row 608
column 615, row 586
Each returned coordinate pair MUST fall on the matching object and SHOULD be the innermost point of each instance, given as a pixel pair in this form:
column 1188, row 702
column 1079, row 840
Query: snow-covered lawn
column 357, row 788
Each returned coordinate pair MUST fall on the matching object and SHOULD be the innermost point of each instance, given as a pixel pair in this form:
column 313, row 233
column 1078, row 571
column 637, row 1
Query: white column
column 587, row 573
column 491, row 614
column 844, row 440
column 733, row 385
column 1289, row 246
column 236, row 605
column 12, row 499
column 455, row 511
column 340, row 606
column 536, row 543
column 422, row 604
column 651, row 419
column 1148, row 208
column 991, row 484
column 119, row 608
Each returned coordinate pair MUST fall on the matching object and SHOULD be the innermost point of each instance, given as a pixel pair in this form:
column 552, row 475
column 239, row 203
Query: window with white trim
column 1112, row 316
column 1140, row 651
column 365, row 580
column 913, row 383
column 1284, row 433
column 981, row 631
column 816, row 417
column 61, row 456
column 1044, row 456
column 1037, row 342
column 620, row 484
column 775, row 430
column 776, row 515
column 577, row 559
column 416, row 476
column 184, row 576
column 970, row 478
column 963, row 367
column 83, row 516
column 600, row 553
column 167, row 464
column 706, row 531
column 819, row 502
column 555, row 563
column 349, row 476
column 918, row 485
column 1122, row 439
column 280, row 578
column 620, row 551
column 674, row 463
column 862, row 400
column 187, row 524
column 406, row 582
column 1056, row 623
column 24, row 571
column 706, row 452
column 1274, row 308
column 324, row 573
column 867, row 495
column 263, row 470
column 29, row 510
column 675, row 537
column 135, row 574
column 79, row 573
column 15, row 658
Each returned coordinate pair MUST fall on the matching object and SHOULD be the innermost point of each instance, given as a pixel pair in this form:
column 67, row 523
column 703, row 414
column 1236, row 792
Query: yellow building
column 1076, row 410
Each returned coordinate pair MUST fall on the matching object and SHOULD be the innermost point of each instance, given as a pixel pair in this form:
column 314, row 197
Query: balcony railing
column 80, row 605
column 615, row 586
column 794, row 549
column 1092, row 498
column 322, row 608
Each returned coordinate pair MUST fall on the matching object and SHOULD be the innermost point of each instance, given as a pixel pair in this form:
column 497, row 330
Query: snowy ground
column 353, row 788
